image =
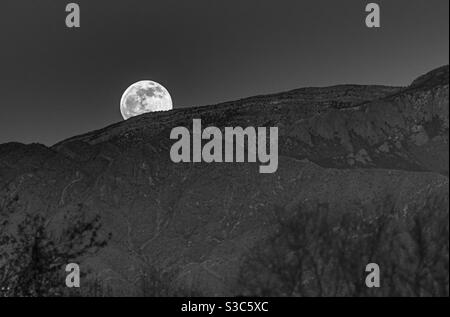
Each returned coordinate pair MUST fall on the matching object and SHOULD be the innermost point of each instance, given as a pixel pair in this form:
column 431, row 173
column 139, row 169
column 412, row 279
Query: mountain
column 346, row 146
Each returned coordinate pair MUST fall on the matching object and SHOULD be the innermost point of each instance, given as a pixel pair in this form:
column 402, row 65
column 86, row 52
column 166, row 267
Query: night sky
column 57, row 82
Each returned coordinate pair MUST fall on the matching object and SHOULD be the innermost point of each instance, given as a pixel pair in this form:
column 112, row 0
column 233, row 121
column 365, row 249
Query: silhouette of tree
column 321, row 252
column 33, row 257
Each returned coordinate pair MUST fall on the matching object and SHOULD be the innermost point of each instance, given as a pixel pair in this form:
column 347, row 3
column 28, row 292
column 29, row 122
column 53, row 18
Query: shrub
column 321, row 252
column 33, row 257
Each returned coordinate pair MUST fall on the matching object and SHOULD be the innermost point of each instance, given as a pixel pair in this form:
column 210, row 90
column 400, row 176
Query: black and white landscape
column 362, row 178
column 359, row 189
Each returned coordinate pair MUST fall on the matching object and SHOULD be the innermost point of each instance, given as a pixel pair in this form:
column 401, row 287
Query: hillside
column 351, row 147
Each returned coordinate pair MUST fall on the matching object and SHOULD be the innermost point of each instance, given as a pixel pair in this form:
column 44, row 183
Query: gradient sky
column 57, row 82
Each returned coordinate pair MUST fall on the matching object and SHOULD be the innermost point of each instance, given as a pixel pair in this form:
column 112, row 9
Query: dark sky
column 57, row 82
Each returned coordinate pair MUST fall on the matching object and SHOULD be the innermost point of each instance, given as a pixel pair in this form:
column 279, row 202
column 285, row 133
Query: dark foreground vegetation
column 33, row 256
column 316, row 251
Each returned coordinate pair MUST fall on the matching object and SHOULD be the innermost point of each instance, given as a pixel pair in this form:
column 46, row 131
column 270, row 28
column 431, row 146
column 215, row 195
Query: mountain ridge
column 346, row 146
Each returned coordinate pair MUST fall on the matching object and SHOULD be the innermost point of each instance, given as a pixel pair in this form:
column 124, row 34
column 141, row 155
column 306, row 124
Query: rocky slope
column 346, row 146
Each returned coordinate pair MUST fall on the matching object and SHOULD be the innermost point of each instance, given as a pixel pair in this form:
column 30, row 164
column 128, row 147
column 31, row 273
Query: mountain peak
column 436, row 77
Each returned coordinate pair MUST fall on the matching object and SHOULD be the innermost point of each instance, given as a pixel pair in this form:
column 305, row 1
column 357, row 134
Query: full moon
column 144, row 96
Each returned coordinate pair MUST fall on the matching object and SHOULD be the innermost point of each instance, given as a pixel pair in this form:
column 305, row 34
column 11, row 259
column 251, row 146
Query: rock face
column 344, row 145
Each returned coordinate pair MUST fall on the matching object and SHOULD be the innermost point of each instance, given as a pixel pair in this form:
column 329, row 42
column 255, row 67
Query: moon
column 144, row 96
